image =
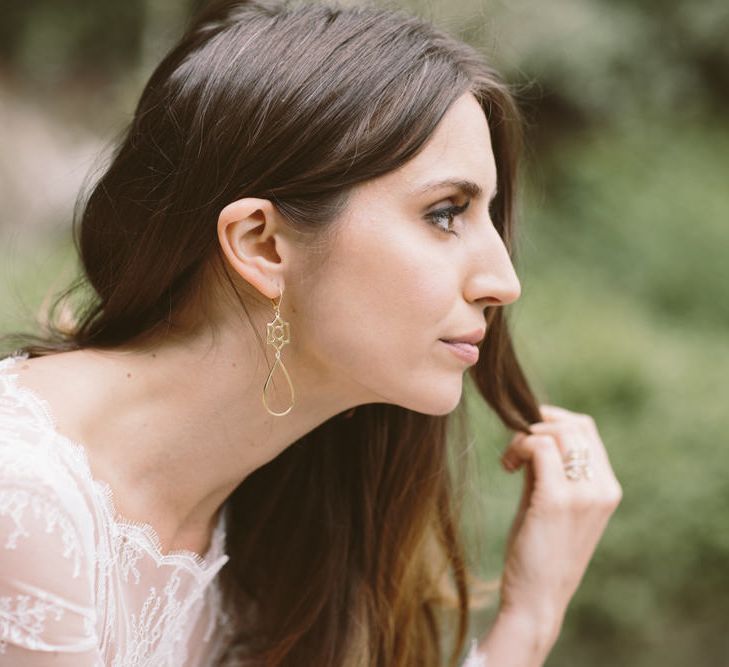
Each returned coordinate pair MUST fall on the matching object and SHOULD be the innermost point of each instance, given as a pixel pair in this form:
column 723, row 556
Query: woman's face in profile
column 402, row 275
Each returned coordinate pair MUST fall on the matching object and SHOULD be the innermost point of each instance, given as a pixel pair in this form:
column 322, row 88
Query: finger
column 554, row 413
column 608, row 487
column 569, row 435
column 579, row 433
column 571, row 438
column 566, row 435
column 541, row 451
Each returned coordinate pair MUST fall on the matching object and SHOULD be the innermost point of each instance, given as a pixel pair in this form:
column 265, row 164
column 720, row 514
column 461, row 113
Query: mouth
column 465, row 351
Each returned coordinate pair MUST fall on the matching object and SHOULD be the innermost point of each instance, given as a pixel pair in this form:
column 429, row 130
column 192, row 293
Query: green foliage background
column 623, row 259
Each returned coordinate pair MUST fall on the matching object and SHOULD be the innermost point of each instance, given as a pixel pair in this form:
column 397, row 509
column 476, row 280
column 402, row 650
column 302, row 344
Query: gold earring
column 277, row 334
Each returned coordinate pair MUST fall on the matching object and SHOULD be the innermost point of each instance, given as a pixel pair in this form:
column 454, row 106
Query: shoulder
column 16, row 403
column 42, row 508
column 41, row 496
column 46, row 542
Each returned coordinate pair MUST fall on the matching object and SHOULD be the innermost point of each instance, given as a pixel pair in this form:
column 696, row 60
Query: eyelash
column 447, row 213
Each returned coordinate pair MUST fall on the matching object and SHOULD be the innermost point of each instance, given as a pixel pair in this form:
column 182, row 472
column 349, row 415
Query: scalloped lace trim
column 200, row 565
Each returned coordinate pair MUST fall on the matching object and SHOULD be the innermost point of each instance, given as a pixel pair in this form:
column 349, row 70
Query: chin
column 435, row 394
column 446, row 410
column 445, row 402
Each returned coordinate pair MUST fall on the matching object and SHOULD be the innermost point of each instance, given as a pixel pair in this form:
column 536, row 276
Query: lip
column 464, row 351
column 474, row 337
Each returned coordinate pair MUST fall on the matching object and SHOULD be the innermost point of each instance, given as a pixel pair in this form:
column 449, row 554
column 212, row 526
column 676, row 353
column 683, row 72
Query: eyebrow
column 465, row 186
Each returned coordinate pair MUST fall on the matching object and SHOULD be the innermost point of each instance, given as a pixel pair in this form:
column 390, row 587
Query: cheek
column 383, row 302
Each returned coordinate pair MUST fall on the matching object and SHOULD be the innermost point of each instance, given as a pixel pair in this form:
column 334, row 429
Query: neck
column 176, row 430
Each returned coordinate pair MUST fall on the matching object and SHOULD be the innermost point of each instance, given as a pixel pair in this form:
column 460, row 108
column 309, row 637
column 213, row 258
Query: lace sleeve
column 475, row 657
column 47, row 614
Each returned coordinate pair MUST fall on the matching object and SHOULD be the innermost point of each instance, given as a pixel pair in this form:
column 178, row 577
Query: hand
column 559, row 521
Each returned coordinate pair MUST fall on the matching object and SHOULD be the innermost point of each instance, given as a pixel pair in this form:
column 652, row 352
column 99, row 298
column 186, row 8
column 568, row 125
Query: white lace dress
column 79, row 585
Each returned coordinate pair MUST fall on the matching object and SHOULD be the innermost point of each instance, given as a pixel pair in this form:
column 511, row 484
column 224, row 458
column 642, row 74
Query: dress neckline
column 201, row 565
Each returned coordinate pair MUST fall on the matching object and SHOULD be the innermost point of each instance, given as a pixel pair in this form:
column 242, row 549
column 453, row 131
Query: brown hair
column 298, row 103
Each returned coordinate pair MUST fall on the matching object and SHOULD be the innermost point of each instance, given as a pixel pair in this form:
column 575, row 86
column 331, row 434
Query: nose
column 493, row 278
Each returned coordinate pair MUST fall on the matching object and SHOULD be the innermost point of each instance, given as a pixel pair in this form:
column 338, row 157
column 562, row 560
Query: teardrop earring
column 277, row 335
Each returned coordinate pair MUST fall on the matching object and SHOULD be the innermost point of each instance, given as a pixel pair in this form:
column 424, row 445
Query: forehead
column 460, row 148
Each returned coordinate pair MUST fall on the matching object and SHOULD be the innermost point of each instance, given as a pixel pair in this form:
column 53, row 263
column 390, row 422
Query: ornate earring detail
column 277, row 334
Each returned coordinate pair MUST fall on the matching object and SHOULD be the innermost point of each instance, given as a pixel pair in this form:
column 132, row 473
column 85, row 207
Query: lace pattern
column 81, row 585
column 76, row 577
column 13, row 504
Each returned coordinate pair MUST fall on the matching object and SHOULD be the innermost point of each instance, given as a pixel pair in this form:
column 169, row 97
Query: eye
column 445, row 216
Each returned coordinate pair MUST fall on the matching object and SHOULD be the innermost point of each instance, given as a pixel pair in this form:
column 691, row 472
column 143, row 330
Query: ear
column 251, row 235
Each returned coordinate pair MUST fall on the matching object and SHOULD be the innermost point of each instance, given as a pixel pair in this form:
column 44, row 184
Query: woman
column 176, row 490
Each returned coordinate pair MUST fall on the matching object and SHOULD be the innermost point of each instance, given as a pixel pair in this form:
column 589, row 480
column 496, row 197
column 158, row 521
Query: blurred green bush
column 623, row 315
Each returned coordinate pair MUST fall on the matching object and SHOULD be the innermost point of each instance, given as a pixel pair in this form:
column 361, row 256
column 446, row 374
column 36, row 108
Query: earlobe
column 247, row 233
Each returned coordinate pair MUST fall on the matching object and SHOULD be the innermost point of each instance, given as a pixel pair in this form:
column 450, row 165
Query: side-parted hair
column 346, row 550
